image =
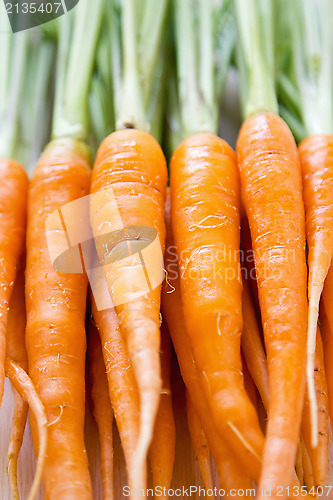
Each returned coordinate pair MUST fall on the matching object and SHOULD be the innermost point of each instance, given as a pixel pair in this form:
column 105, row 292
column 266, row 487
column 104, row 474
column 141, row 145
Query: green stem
column 116, row 64
column 131, row 113
column 11, row 109
column 196, row 113
column 225, row 41
column 75, row 74
column 255, row 34
column 152, row 28
column 37, row 103
column 312, row 49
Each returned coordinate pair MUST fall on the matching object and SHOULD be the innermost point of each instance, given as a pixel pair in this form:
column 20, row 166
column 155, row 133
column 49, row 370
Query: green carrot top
column 256, row 55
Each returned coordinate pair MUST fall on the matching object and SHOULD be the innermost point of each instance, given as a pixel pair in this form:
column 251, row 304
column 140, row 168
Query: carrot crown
column 306, row 78
column 256, row 55
column 204, row 41
column 78, row 34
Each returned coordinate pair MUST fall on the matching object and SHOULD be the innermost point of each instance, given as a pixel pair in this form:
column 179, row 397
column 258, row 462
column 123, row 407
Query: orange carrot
column 316, row 154
column 162, row 448
column 272, row 194
column 307, row 467
column 206, row 231
column 101, row 408
column 123, row 390
column 15, row 350
column 128, row 187
column 249, row 385
column 252, row 346
column 318, row 456
column 199, row 443
column 23, row 386
column 55, row 332
column 13, row 201
column 231, row 474
column 326, row 322
column 299, row 464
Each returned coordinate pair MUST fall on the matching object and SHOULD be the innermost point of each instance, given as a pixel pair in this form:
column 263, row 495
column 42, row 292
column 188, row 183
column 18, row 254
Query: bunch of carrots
column 118, row 268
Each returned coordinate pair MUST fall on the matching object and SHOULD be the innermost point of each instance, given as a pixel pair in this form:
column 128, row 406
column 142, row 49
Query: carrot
column 299, row 464
column 13, row 200
column 308, row 107
column 199, row 443
column 307, row 466
column 55, row 336
column 318, row 456
column 231, row 474
column 208, row 257
column 15, row 350
column 249, row 385
column 326, row 326
column 270, row 177
column 316, row 154
column 55, row 296
column 123, row 390
column 128, row 193
column 162, row 448
column 101, row 408
column 23, row 386
column 252, row 346
column 130, row 165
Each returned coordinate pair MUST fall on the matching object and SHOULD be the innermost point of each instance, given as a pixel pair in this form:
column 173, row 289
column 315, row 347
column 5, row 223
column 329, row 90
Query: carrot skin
column 16, row 351
column 199, row 443
column 123, row 389
column 316, row 155
column 231, row 474
column 326, row 327
column 252, row 346
column 55, row 333
column 206, row 228
column 272, row 194
column 102, row 409
column 318, row 456
column 162, row 448
column 13, row 209
column 131, row 164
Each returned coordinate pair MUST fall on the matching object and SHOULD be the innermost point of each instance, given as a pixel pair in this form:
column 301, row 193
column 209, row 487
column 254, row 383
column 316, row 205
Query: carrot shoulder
column 205, row 207
column 55, row 333
column 101, row 408
column 128, row 184
column 272, row 194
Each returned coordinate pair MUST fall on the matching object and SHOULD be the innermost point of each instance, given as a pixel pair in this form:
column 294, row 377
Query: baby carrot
column 319, row 455
column 15, row 350
column 101, row 408
column 272, row 194
column 231, row 473
column 55, row 335
column 162, row 448
column 131, row 165
column 316, row 154
column 13, row 201
column 326, row 326
column 206, row 230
